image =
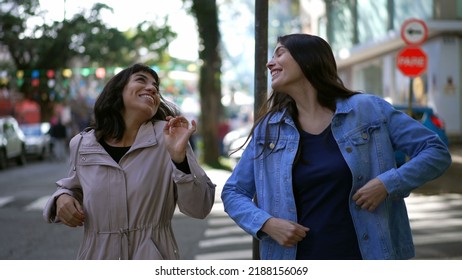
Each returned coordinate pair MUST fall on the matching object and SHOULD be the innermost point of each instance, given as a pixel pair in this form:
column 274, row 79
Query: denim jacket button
column 349, row 149
column 271, row 146
column 360, row 177
column 365, row 236
column 364, row 135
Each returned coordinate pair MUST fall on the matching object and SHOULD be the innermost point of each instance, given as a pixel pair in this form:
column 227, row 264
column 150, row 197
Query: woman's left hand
column 177, row 132
column 371, row 195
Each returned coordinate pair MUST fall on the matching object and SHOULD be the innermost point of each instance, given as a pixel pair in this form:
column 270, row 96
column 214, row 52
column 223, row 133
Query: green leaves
column 84, row 37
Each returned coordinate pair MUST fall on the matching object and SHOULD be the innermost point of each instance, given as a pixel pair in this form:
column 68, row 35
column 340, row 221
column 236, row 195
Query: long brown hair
column 317, row 62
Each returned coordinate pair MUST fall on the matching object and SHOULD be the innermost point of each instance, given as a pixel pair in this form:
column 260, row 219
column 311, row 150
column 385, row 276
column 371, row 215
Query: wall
column 444, row 80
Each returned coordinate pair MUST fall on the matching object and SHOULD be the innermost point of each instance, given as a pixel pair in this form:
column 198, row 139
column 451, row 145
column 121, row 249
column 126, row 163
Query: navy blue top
column 118, row 152
column 322, row 183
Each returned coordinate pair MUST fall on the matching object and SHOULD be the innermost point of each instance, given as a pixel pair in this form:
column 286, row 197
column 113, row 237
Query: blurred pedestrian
column 130, row 170
column 223, row 129
column 320, row 161
column 58, row 133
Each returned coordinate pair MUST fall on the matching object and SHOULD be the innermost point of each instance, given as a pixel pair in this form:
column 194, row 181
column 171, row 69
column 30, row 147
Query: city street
column 435, row 212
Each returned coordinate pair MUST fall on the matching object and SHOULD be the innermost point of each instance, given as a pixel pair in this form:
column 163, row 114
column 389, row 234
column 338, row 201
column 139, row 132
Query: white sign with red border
column 414, row 31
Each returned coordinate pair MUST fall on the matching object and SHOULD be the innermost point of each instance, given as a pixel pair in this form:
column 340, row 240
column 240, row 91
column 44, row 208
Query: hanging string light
column 100, row 73
column 3, row 78
column 85, row 72
column 60, row 79
column 20, row 78
column 51, row 74
column 67, row 73
column 35, row 74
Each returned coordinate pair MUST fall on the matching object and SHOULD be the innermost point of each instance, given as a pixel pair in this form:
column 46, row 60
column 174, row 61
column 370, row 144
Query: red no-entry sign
column 412, row 61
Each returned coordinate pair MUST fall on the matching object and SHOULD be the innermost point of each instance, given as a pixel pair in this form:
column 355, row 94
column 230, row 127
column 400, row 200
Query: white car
column 38, row 140
column 228, row 141
column 237, row 147
column 12, row 142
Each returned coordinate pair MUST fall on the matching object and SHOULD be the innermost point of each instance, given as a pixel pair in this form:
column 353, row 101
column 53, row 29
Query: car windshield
column 32, row 130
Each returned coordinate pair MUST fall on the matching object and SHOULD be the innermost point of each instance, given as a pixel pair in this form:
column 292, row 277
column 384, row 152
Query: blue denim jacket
column 368, row 130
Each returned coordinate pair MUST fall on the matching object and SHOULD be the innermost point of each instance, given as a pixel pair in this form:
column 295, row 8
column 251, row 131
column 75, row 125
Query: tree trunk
column 209, row 82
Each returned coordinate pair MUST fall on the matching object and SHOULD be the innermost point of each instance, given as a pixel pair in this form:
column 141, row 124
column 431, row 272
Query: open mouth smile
column 147, row 96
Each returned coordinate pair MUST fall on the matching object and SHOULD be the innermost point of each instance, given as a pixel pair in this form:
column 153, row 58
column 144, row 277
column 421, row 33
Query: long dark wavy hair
column 317, row 62
column 108, row 120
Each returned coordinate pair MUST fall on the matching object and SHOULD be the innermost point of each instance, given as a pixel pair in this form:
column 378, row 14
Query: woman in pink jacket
column 128, row 173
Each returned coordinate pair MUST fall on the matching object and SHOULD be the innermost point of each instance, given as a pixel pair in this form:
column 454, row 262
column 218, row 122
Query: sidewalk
column 451, row 180
column 456, row 152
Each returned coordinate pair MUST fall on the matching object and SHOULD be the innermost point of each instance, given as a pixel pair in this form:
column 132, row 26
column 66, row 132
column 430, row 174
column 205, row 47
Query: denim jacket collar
column 343, row 107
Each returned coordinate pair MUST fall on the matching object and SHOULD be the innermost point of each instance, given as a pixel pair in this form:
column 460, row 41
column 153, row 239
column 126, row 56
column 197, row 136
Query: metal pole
column 261, row 53
column 411, row 96
column 261, row 79
column 409, row 102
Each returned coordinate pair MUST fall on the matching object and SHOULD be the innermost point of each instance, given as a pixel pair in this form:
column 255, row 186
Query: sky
column 128, row 13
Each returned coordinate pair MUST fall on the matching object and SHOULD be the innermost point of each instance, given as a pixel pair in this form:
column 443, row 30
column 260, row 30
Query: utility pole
column 261, row 54
column 261, row 75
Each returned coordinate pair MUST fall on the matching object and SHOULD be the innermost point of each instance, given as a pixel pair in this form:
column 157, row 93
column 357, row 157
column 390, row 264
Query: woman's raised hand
column 177, row 132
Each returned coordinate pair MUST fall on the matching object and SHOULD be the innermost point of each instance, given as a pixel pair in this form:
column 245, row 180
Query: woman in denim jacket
column 320, row 163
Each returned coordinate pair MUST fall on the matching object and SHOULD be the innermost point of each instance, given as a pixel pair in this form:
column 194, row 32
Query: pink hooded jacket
column 129, row 206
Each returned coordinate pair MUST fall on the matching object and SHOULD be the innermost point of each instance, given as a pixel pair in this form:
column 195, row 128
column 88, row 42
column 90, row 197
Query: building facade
column 366, row 38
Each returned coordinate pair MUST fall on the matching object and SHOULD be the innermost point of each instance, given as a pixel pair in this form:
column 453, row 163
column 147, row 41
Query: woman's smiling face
column 284, row 69
column 141, row 95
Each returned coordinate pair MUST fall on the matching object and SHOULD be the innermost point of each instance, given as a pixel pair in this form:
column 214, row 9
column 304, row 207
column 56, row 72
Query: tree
column 206, row 14
column 84, row 39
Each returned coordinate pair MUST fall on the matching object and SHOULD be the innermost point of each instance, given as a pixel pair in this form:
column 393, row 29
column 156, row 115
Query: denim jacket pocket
column 270, row 155
column 270, row 146
column 363, row 143
column 363, row 135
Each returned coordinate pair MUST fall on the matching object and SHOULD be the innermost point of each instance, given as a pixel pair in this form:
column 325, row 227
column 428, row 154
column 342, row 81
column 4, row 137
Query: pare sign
column 412, row 61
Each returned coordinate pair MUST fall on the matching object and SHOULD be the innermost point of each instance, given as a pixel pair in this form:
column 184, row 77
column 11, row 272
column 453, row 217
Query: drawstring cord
column 123, row 232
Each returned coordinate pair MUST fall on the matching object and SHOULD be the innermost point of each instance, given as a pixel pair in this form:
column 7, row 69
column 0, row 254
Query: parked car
column 236, row 138
column 429, row 119
column 238, row 134
column 12, row 142
column 38, row 139
column 233, row 141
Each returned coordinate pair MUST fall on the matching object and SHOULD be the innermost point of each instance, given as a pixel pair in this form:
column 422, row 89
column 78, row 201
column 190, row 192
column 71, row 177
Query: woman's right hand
column 284, row 232
column 69, row 211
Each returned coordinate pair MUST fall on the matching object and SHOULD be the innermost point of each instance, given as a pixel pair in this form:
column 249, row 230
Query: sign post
column 412, row 60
